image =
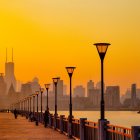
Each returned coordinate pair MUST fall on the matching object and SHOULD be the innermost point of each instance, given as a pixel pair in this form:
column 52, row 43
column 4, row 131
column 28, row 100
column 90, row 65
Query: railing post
column 82, row 128
column 135, row 132
column 102, row 129
column 61, row 123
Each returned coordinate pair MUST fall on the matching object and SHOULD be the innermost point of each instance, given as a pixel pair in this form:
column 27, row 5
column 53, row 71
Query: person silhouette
column 46, row 118
column 15, row 113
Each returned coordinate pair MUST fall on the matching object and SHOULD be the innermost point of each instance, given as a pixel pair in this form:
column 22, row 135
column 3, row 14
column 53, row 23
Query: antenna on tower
column 12, row 54
column 6, row 55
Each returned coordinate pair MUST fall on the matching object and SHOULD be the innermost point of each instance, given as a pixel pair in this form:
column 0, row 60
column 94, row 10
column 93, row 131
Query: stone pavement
column 22, row 129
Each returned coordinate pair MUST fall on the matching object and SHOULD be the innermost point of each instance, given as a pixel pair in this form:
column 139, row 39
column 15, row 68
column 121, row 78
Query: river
column 121, row 118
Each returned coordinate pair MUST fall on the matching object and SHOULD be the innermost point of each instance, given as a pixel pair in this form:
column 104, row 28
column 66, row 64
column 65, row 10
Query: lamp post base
column 102, row 133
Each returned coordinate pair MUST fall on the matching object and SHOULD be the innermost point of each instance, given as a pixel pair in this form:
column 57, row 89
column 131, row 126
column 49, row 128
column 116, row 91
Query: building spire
column 12, row 54
column 6, row 55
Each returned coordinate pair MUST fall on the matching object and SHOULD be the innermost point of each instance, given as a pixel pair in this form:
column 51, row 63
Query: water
column 121, row 118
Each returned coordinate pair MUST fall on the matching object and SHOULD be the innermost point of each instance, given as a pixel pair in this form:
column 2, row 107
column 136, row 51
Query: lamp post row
column 102, row 49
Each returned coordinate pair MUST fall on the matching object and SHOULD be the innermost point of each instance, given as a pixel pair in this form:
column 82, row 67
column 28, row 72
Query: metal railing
column 76, row 128
column 91, row 130
column 115, row 132
column 65, row 125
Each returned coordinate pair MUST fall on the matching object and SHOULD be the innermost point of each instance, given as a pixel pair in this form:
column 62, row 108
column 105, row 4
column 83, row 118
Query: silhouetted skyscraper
column 9, row 73
column 2, row 85
column 112, row 96
column 133, row 95
column 90, row 86
column 79, row 91
column 26, row 89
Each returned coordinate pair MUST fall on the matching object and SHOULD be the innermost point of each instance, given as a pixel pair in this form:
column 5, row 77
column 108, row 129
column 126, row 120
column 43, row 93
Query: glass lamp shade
column 37, row 92
column 47, row 86
column 55, row 80
column 70, row 70
column 42, row 90
column 102, row 49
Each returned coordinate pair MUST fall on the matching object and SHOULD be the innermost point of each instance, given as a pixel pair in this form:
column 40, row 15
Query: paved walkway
column 22, row 129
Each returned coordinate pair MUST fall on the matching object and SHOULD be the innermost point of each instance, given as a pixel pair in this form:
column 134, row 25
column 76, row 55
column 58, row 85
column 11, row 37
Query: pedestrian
column 46, row 118
column 15, row 113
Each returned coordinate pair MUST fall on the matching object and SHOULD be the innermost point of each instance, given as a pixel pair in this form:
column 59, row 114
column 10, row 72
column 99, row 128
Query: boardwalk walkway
column 22, row 129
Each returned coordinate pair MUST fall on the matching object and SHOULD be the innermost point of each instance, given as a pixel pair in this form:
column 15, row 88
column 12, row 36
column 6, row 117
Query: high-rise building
column 79, row 91
column 98, row 85
column 26, row 89
column 2, row 85
column 112, row 96
column 35, row 85
column 95, row 96
column 133, row 95
column 9, row 73
column 65, row 89
column 90, row 86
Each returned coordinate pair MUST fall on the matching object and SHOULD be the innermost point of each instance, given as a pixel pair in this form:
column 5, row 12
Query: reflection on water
column 121, row 118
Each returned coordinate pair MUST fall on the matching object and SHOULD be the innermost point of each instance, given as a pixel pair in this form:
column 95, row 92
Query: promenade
column 22, row 129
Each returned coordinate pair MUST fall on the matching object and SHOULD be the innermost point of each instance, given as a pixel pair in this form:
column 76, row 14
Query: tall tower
column 133, row 95
column 90, row 86
column 9, row 73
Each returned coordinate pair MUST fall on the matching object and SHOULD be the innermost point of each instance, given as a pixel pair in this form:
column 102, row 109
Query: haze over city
column 70, row 69
column 47, row 36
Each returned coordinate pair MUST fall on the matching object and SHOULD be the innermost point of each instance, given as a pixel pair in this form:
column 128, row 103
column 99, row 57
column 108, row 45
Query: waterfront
column 121, row 118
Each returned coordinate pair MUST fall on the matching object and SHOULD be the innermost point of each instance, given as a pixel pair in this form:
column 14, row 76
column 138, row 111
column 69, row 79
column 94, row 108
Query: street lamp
column 47, row 88
column 55, row 81
column 70, row 71
column 41, row 90
column 102, row 49
column 37, row 92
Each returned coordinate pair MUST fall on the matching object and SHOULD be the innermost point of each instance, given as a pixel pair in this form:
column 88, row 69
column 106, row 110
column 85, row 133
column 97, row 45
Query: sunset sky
column 48, row 35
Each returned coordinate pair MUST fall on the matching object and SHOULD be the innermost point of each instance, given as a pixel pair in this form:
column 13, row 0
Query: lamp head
column 47, row 86
column 37, row 92
column 102, row 49
column 55, row 80
column 41, row 90
column 70, row 70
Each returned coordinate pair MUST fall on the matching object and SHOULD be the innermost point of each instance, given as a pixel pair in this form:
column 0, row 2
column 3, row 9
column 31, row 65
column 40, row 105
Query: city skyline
column 48, row 35
column 17, row 87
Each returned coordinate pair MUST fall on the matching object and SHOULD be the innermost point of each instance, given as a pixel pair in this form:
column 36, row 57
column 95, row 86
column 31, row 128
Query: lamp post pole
column 37, row 92
column 47, row 89
column 41, row 90
column 55, row 81
column 70, row 73
column 30, row 104
column 102, row 49
column 33, row 104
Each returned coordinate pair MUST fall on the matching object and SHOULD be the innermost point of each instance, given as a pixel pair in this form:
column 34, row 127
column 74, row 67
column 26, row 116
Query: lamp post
column 33, row 104
column 41, row 90
column 70, row 73
column 47, row 89
column 37, row 92
column 55, row 81
column 102, row 49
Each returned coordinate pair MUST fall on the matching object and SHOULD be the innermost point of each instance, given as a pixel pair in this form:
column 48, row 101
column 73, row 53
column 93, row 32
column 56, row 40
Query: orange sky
column 48, row 35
